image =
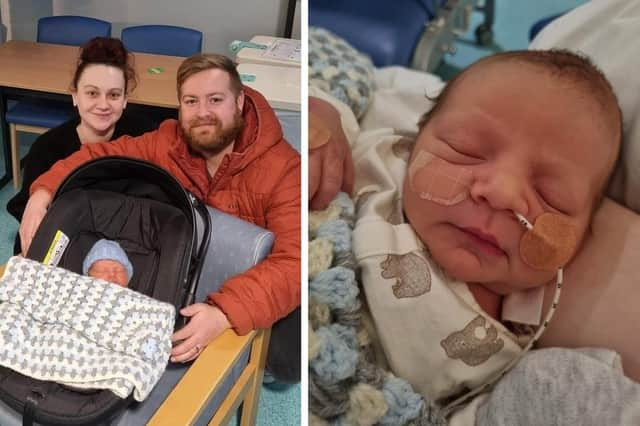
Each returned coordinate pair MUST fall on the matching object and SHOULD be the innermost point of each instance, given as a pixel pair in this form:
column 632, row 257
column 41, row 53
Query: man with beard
column 227, row 149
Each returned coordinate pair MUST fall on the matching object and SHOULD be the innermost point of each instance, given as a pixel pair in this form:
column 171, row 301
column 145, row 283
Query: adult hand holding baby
column 330, row 162
column 33, row 214
column 207, row 322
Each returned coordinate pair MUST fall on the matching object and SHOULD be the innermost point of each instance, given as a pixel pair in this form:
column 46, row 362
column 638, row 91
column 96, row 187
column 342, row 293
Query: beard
column 212, row 143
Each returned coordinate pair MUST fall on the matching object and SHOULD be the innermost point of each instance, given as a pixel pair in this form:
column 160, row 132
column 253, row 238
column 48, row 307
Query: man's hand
column 207, row 322
column 330, row 165
column 33, row 214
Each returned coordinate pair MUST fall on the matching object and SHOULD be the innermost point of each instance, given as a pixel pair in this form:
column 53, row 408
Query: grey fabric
column 563, row 387
column 235, row 246
column 290, row 122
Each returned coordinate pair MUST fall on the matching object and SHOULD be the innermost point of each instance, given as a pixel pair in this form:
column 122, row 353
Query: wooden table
column 41, row 70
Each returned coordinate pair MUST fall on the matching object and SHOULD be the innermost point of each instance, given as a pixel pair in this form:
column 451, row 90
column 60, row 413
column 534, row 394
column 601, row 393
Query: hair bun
column 104, row 50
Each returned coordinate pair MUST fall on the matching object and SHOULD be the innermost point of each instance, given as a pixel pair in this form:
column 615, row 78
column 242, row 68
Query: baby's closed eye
column 546, row 199
column 555, row 196
column 458, row 152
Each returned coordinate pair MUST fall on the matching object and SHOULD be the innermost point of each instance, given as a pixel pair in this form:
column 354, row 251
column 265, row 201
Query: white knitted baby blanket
column 82, row 332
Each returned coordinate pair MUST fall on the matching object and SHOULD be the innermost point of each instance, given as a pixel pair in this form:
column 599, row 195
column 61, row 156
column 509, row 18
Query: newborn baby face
column 109, row 270
column 510, row 137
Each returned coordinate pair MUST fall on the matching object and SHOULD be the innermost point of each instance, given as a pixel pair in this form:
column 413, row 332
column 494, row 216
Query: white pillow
column 608, row 31
column 400, row 99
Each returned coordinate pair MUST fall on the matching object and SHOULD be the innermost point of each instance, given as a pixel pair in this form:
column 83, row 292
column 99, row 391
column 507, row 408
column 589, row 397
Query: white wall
column 221, row 21
column 295, row 33
column 4, row 20
column 20, row 17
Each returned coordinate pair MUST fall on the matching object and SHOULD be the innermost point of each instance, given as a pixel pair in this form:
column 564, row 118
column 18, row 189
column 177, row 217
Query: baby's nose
column 501, row 192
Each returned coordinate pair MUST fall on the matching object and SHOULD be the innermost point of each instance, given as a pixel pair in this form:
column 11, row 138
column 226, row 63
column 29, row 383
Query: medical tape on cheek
column 549, row 243
column 438, row 180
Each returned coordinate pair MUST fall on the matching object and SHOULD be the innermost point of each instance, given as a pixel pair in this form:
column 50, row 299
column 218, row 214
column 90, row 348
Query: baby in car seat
column 108, row 261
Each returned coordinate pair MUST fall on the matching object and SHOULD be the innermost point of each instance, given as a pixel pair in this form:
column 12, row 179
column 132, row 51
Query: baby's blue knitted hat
column 107, row 250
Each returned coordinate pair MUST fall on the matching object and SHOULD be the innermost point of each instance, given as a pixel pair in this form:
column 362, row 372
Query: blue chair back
column 71, row 30
column 162, row 40
column 387, row 31
column 539, row 26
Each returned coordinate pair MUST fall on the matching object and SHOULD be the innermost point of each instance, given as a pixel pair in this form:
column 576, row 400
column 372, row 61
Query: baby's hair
column 561, row 64
column 106, row 51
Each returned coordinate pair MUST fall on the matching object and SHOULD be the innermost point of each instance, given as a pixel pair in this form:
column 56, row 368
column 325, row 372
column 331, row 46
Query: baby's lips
column 550, row 244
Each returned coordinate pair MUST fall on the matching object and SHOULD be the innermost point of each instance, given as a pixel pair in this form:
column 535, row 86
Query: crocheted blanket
column 80, row 331
column 346, row 387
column 338, row 68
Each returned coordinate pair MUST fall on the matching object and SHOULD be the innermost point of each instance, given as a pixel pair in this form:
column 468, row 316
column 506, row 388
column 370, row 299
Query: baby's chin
column 464, row 266
column 459, row 265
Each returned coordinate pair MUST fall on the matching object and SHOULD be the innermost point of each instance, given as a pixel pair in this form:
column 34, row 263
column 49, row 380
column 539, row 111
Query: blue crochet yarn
column 338, row 232
column 341, row 421
column 404, row 404
column 335, row 287
column 346, row 334
column 343, row 201
column 336, row 360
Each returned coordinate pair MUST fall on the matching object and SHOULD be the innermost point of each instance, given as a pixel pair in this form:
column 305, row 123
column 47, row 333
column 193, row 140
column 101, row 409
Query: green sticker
column 247, row 78
column 155, row 70
column 236, row 45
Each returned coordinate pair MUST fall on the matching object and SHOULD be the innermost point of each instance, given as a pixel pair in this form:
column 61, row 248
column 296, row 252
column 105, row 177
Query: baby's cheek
column 122, row 282
column 97, row 275
column 435, row 179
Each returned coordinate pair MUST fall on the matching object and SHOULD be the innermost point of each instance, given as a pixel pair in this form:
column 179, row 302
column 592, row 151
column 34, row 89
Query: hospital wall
column 221, row 21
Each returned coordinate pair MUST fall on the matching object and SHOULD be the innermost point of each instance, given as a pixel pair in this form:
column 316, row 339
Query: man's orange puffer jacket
column 258, row 182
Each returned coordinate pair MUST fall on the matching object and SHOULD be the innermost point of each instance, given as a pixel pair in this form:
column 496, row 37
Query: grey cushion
column 290, row 122
column 235, row 246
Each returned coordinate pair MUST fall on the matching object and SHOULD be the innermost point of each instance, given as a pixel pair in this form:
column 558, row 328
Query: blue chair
column 71, row 30
column 413, row 33
column 538, row 26
column 387, row 31
column 40, row 116
column 162, row 40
